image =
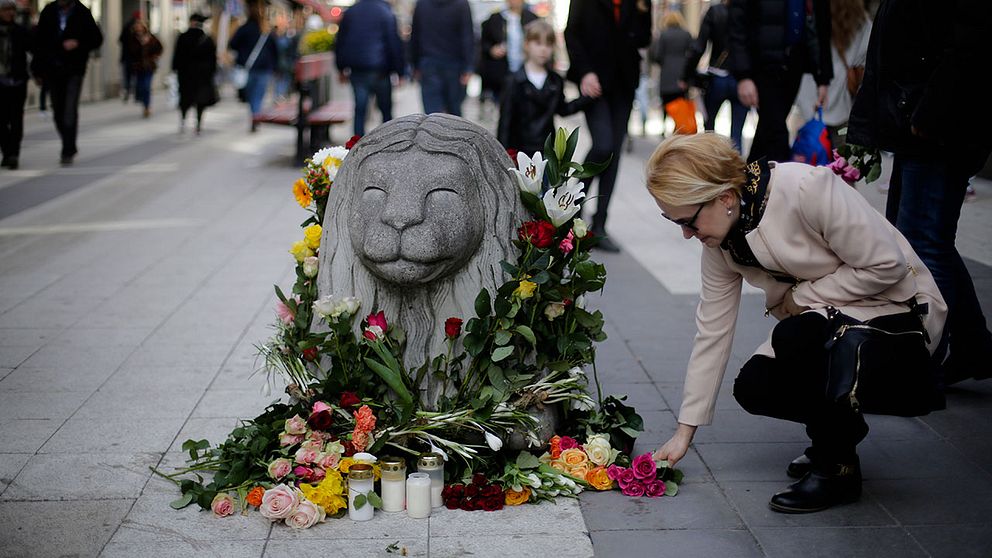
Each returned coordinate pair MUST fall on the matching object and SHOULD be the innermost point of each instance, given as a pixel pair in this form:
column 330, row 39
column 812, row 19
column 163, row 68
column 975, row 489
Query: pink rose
column 306, row 515
column 308, row 474
column 285, row 314
column 644, row 467
column 222, row 505
column 839, row 163
column 626, row 477
column 567, row 244
column 567, row 442
column 296, row 425
column 613, row 472
column 279, row 502
column 655, row 489
column 635, row 489
column 321, row 416
column 286, row 440
column 329, row 460
column 318, row 436
column 280, row 468
column 306, row 455
column 851, row 174
column 320, row 406
column 315, row 445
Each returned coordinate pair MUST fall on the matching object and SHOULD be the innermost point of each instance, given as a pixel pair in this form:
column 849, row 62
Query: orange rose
column 514, row 498
column 579, row 471
column 574, row 457
column 254, row 497
column 555, row 447
column 558, row 466
column 598, row 478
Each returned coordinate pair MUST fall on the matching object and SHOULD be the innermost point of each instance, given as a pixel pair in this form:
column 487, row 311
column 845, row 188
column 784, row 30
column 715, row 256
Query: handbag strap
column 255, row 51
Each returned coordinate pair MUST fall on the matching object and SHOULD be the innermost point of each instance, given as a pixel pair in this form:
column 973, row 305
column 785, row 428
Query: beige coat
column 844, row 253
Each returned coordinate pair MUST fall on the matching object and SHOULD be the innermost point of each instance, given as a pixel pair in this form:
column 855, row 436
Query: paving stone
column 883, row 427
column 114, row 435
column 935, row 501
column 183, row 549
column 512, row 545
column 751, row 500
column 26, row 379
column 68, row 357
column 12, row 356
column 174, row 352
column 152, row 520
column 563, row 517
column 48, row 405
column 27, row 335
column 101, row 337
column 699, row 506
column 685, row 543
column 749, row 462
column 739, row 426
column 4, row 372
column 216, row 430
column 978, row 450
column 955, row 541
column 26, row 435
column 58, row 528
column 243, row 404
column 382, row 527
column 112, row 402
column 161, row 379
column 85, row 476
column 348, row 548
column 643, row 397
column 915, row 459
column 10, row 465
column 829, row 542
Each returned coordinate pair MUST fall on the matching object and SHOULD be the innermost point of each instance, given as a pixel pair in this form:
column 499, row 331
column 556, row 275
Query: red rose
column 466, row 504
column 453, row 327
column 539, row 233
column 492, row 504
column 351, row 142
column 349, row 399
column 512, row 153
column 492, row 490
column 472, row 490
column 322, row 416
column 457, row 490
column 479, row 479
column 310, row 354
column 349, row 448
column 452, row 503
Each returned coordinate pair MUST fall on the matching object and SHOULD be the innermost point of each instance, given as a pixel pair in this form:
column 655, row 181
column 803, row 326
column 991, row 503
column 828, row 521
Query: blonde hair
column 673, row 19
column 688, row 170
column 846, row 17
column 539, row 30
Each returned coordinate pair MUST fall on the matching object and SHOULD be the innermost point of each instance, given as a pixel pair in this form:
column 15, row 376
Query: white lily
column 530, row 172
column 563, row 202
column 494, row 441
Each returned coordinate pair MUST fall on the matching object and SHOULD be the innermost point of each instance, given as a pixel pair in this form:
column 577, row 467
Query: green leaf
column 360, row 501
column 279, row 294
column 541, row 278
column 874, row 173
column 573, row 142
column 183, row 501
column 375, row 500
column 395, row 382
column 671, row 488
column 527, row 333
column 501, row 353
column 590, row 169
column 677, row 476
column 527, row 460
column 483, row 303
column 503, row 337
column 509, row 268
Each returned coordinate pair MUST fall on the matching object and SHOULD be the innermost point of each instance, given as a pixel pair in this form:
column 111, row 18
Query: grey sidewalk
column 129, row 306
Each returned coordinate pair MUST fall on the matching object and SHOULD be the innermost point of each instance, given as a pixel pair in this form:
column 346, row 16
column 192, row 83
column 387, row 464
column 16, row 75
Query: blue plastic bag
column 812, row 143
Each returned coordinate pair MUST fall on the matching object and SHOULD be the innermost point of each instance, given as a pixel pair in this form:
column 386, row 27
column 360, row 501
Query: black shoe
column 799, row 467
column 6, row 162
column 819, row 490
column 66, row 160
column 606, row 245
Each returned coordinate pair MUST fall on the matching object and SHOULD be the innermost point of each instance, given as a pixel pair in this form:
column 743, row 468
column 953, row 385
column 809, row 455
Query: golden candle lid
column 430, row 460
column 360, row 471
column 391, row 464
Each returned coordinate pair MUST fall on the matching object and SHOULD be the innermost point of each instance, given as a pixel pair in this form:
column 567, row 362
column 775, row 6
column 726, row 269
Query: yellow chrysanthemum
column 311, row 236
column 334, row 504
column 525, row 290
column 302, row 193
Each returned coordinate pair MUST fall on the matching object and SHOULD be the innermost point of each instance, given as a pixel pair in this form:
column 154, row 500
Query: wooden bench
column 314, row 112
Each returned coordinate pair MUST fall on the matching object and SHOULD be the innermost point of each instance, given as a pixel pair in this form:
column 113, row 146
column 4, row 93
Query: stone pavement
column 134, row 285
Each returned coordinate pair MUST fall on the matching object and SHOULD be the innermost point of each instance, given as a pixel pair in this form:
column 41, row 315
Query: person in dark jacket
column 442, row 53
column 14, row 48
column 670, row 51
column 721, row 86
column 65, row 35
column 922, row 76
column 195, row 62
column 127, row 76
column 602, row 40
column 501, row 45
column 368, row 52
column 534, row 94
column 145, row 50
column 772, row 44
column 256, row 51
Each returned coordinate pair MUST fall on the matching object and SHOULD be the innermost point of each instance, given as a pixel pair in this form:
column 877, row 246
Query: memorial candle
column 418, row 495
column 393, row 483
column 360, row 480
column 433, row 465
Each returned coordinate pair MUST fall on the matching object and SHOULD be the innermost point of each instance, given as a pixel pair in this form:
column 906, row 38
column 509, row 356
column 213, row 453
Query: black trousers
column 776, row 93
column 607, row 120
column 12, row 119
column 65, row 91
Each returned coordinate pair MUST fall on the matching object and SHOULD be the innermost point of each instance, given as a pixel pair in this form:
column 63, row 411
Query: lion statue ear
column 421, row 310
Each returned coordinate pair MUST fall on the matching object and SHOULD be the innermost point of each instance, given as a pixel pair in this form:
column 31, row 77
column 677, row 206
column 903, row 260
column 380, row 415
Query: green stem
column 595, row 376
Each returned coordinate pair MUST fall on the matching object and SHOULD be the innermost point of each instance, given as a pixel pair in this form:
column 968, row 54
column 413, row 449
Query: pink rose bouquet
column 279, row 502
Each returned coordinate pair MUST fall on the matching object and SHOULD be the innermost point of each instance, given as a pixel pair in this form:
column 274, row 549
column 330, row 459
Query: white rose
column 306, row 515
column 324, row 306
column 310, row 266
column 350, row 304
column 576, row 371
column 553, row 310
column 598, row 449
column 580, row 301
column 579, row 228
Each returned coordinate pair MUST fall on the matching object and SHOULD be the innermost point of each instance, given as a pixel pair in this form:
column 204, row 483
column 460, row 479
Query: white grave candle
column 360, row 481
column 393, row 483
column 418, row 495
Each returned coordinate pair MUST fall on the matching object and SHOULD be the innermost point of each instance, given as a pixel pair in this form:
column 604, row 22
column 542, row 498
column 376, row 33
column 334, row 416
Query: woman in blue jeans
column 256, row 51
column 145, row 50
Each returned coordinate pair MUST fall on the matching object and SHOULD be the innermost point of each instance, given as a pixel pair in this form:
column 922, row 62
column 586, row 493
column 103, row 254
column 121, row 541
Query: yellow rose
column 514, row 498
column 525, row 290
column 300, row 251
column 312, row 236
column 345, row 464
column 579, row 471
column 302, row 193
column 559, row 466
column 598, row 478
column 574, row 457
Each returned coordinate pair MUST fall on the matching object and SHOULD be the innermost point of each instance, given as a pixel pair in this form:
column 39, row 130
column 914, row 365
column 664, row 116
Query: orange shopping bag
column 683, row 112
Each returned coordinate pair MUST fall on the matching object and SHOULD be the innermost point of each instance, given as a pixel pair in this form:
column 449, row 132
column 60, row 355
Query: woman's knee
column 751, row 388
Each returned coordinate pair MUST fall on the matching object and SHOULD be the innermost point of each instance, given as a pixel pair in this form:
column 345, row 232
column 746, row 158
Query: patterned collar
column 754, row 197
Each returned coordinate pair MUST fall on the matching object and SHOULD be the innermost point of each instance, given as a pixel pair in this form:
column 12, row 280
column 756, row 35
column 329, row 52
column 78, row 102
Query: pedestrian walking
column 287, row 47
column 850, row 29
column 145, row 50
column 501, row 46
column 772, row 44
column 534, row 94
column 127, row 75
column 256, row 52
column 670, row 51
column 823, row 256
column 602, row 40
column 66, row 34
column 912, row 102
column 195, row 63
column 717, row 82
column 14, row 48
column 442, row 53
column 369, row 52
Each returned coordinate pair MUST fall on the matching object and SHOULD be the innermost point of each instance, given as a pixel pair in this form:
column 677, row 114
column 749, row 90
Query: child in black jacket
column 533, row 95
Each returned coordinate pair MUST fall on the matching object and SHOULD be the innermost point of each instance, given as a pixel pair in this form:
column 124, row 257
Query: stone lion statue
column 421, row 213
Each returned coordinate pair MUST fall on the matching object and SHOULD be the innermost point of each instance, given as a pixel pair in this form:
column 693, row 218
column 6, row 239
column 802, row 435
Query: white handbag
column 239, row 74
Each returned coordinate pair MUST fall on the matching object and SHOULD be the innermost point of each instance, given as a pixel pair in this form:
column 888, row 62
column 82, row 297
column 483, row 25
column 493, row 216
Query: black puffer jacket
column 927, row 67
column 757, row 40
column 527, row 114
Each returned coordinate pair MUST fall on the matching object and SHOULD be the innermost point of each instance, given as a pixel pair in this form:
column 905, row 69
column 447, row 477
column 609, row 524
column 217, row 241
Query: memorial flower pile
column 528, row 352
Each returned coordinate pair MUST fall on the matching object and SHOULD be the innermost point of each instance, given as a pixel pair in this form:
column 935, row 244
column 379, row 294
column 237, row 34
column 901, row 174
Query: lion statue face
column 410, row 229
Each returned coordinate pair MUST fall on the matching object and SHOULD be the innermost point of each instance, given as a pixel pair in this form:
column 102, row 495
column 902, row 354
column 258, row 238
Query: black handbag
column 876, row 368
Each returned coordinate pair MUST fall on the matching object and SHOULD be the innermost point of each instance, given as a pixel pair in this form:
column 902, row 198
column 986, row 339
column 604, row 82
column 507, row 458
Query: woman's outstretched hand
column 675, row 449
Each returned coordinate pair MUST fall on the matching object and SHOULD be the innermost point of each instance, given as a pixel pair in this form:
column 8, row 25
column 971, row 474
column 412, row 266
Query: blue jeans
column 143, row 87
column 365, row 83
column 725, row 89
column 258, row 82
column 924, row 203
column 440, row 86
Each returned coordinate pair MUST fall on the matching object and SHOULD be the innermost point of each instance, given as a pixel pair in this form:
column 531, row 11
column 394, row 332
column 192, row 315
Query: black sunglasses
column 689, row 223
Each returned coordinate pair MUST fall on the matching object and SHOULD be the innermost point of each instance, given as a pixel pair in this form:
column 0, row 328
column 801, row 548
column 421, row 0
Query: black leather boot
column 799, row 467
column 820, row 488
